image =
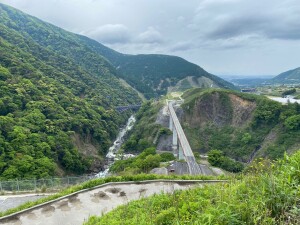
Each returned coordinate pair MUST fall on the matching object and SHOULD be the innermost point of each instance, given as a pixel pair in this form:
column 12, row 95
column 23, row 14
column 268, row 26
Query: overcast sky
column 239, row 37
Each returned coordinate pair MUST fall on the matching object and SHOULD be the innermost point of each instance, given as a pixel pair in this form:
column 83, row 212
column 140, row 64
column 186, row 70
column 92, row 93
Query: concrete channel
column 76, row 208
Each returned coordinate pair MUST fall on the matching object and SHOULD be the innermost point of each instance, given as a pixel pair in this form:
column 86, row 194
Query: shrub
column 217, row 158
column 166, row 157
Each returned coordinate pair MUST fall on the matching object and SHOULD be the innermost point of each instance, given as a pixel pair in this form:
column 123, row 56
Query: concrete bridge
column 123, row 108
column 180, row 143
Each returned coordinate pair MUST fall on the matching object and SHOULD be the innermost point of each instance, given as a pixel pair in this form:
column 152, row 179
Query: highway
column 186, row 148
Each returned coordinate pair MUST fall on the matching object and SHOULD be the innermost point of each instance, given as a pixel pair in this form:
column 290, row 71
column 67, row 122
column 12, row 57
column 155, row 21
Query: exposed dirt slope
column 220, row 109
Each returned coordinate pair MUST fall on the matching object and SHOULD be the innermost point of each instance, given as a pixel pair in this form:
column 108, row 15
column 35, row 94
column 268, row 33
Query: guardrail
column 54, row 183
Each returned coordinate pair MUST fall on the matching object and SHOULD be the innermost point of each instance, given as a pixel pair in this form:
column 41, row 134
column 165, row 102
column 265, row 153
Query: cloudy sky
column 233, row 37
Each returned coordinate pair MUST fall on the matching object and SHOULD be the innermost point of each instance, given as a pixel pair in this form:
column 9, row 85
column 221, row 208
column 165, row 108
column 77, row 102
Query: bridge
column 180, row 142
column 123, row 108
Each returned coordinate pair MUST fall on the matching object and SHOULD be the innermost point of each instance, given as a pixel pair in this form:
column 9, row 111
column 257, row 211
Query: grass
column 95, row 182
column 266, row 194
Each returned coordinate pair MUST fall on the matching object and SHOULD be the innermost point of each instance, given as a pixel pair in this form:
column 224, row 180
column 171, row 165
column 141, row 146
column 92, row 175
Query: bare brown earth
column 213, row 110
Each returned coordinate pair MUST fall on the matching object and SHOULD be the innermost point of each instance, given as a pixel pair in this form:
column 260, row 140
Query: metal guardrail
column 54, row 183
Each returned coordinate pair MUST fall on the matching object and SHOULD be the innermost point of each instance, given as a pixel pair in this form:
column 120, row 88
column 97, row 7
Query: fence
column 49, row 184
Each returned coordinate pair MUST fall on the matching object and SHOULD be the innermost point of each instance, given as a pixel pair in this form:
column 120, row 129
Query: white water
column 111, row 155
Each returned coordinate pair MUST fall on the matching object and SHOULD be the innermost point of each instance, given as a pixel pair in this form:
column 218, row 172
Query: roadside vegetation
column 266, row 193
column 143, row 163
column 218, row 159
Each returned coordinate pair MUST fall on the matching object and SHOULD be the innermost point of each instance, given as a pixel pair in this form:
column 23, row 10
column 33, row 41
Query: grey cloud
column 260, row 25
column 182, row 46
column 151, row 35
column 232, row 18
column 237, row 27
column 110, row 33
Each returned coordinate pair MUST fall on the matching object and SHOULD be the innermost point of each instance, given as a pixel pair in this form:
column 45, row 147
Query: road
column 187, row 151
column 182, row 168
column 12, row 201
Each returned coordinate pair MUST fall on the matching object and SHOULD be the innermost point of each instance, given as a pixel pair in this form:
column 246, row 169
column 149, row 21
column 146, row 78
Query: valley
column 148, row 138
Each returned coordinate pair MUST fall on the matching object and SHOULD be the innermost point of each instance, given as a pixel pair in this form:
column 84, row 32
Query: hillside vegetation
column 288, row 77
column 153, row 74
column 145, row 130
column 267, row 193
column 57, row 96
column 243, row 126
column 58, row 91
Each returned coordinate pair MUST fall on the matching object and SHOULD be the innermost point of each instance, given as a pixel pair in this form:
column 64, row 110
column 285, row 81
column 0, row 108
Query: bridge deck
column 186, row 148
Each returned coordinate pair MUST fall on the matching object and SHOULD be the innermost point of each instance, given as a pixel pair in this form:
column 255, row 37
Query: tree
column 166, row 157
column 292, row 122
column 215, row 157
column 267, row 112
column 150, row 162
column 246, row 138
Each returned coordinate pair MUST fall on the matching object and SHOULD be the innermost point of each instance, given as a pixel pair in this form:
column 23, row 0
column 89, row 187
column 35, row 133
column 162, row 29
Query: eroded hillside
column 241, row 125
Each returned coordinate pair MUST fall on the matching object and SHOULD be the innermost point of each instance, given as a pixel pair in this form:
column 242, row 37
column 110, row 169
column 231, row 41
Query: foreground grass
column 267, row 194
column 96, row 182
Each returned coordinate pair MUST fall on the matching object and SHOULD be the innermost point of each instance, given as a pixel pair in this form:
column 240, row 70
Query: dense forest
column 53, row 88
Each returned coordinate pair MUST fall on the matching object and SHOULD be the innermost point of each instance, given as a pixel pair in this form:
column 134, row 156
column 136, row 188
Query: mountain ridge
column 157, row 71
column 290, row 76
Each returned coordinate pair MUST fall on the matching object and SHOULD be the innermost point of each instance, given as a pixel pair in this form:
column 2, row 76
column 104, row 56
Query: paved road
column 187, row 151
column 182, row 168
column 76, row 209
column 12, row 201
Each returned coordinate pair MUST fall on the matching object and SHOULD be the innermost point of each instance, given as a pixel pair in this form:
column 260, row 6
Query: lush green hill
column 57, row 99
column 241, row 125
column 152, row 74
column 288, row 77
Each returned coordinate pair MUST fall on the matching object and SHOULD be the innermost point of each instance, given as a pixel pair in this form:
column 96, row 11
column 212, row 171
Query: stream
column 112, row 151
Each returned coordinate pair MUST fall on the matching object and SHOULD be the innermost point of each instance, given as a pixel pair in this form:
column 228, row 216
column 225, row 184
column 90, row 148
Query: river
column 112, row 151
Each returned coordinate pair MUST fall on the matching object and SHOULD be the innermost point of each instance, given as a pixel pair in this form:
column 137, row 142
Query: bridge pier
column 175, row 138
column 175, row 143
column 171, row 125
column 180, row 153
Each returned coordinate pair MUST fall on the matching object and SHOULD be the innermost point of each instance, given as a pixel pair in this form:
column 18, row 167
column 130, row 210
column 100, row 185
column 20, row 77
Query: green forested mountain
column 243, row 126
column 58, row 91
column 57, row 96
column 240, row 126
column 152, row 74
column 288, row 77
